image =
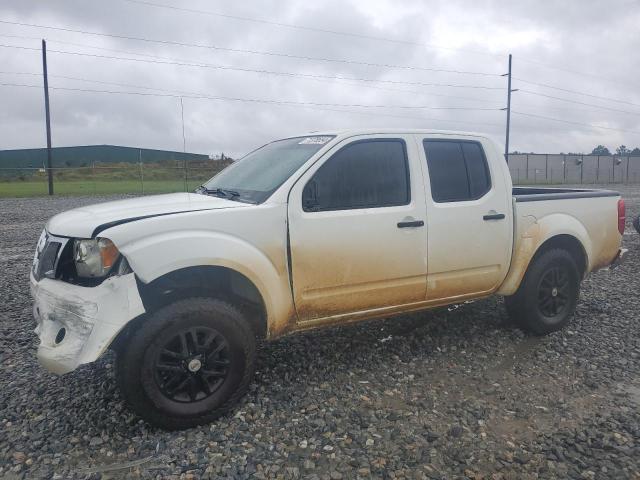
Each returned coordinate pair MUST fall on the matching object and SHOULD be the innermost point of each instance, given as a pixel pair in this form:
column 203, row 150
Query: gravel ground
column 452, row 393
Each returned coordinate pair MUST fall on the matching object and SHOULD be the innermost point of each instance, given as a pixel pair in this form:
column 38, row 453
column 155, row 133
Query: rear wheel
column 189, row 363
column 548, row 294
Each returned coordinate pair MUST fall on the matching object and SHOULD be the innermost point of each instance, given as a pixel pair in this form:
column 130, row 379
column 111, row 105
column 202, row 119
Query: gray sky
column 550, row 41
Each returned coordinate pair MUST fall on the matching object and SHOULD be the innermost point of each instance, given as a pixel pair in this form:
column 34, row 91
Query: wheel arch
column 160, row 255
column 207, row 281
column 570, row 244
column 199, row 281
column 554, row 231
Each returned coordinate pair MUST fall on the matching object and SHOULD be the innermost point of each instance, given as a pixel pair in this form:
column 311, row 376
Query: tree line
column 599, row 150
column 621, row 150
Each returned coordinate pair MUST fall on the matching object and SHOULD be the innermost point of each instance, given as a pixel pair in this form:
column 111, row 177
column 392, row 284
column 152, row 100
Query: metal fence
column 573, row 169
column 176, row 176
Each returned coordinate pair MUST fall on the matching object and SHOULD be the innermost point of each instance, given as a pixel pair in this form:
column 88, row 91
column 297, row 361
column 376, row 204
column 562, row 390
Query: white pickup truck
column 305, row 232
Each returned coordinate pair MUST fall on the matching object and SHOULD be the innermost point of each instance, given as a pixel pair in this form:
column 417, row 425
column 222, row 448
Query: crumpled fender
column 161, row 253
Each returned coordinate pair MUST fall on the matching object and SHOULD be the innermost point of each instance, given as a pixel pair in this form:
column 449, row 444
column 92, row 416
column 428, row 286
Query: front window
column 369, row 173
column 256, row 176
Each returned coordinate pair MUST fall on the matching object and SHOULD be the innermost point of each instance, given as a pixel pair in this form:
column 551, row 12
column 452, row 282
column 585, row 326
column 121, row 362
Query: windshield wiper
column 224, row 193
column 220, row 192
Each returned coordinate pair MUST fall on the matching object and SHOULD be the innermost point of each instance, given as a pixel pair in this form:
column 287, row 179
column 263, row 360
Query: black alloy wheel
column 548, row 293
column 191, row 365
column 553, row 292
column 187, row 363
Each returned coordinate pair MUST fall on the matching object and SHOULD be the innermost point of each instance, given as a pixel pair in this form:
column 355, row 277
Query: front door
column 357, row 229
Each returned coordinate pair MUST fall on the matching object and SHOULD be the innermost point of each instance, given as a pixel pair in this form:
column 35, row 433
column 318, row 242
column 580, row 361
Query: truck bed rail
column 536, row 194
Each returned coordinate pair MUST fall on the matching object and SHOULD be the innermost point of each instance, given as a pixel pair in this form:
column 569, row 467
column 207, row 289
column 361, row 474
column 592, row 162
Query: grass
column 114, row 178
column 88, row 187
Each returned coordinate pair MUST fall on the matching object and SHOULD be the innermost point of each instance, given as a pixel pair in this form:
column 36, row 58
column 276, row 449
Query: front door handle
column 416, row 223
column 494, row 216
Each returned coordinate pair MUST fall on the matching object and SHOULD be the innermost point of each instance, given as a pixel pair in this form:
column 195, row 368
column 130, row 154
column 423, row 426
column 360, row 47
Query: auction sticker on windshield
column 314, row 140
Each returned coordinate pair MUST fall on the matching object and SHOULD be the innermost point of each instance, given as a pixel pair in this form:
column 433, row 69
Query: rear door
column 468, row 218
column 357, row 229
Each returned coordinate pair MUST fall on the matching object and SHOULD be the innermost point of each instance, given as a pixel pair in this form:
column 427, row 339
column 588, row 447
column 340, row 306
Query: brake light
column 621, row 216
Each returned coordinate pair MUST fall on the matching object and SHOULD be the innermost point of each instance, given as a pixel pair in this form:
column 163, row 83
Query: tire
column 188, row 363
column 548, row 294
column 636, row 223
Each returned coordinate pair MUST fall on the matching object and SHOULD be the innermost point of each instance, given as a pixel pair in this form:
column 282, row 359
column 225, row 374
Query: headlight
column 95, row 257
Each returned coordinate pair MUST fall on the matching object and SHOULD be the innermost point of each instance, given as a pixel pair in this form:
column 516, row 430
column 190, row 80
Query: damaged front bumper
column 77, row 324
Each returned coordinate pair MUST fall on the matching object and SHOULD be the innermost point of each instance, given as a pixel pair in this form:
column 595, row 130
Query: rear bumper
column 77, row 324
column 619, row 258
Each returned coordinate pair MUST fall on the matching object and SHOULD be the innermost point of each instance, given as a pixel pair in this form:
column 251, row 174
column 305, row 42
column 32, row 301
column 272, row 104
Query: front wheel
column 548, row 294
column 189, row 363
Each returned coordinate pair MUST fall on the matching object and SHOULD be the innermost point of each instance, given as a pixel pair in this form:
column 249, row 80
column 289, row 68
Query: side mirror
column 310, row 197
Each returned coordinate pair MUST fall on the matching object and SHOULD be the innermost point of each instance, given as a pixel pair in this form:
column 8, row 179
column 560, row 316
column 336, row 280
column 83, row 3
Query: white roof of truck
column 372, row 131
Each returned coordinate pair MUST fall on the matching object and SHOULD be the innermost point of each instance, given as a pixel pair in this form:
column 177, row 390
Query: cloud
column 590, row 37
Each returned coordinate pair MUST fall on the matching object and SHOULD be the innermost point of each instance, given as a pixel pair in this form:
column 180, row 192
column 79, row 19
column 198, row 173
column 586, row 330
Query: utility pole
column 141, row 169
column 508, row 109
column 47, row 116
column 184, row 147
column 184, row 139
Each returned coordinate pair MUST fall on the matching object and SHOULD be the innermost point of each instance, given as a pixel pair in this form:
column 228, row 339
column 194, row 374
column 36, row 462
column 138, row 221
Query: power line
column 23, row 37
column 305, row 104
column 560, row 108
column 251, row 70
column 126, row 52
column 186, row 93
column 81, row 45
column 308, row 28
column 274, row 102
column 145, row 87
column 251, row 100
column 577, row 102
column 415, row 92
column 575, row 72
column 304, row 57
column 193, row 95
column 574, row 123
column 351, row 34
column 252, row 52
column 545, row 85
column 376, row 87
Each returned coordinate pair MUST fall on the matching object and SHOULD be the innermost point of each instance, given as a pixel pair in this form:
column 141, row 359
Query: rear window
column 458, row 170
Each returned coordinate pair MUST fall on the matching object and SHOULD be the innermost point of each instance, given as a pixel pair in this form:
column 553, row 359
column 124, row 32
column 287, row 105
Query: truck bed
column 588, row 215
column 535, row 194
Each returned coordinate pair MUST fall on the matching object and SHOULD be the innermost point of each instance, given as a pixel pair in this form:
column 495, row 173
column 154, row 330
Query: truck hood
column 89, row 221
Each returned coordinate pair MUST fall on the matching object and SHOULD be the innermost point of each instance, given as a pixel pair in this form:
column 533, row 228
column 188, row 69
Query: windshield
column 256, row 176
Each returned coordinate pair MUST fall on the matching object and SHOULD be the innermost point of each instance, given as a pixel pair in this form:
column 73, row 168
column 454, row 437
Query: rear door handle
column 416, row 223
column 494, row 216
